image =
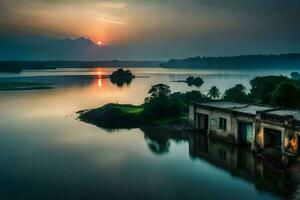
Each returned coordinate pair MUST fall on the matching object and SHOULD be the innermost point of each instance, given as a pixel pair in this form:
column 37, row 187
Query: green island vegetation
column 165, row 109
column 160, row 109
column 24, row 86
column 196, row 81
column 120, row 77
column 192, row 81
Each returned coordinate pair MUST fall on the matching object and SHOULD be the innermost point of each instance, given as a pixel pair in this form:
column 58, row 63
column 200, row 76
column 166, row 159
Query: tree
column 261, row 87
column 158, row 91
column 198, row 81
column 194, row 81
column 286, row 94
column 193, row 95
column 160, row 104
column 190, row 81
column 236, row 94
column 214, row 92
column 295, row 75
column 121, row 77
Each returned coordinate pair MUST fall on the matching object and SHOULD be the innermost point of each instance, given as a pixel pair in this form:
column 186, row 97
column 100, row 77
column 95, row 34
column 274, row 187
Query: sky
column 150, row 29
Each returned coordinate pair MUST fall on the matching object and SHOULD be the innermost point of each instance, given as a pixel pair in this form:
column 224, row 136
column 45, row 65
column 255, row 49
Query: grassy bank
column 117, row 116
column 160, row 109
column 7, row 86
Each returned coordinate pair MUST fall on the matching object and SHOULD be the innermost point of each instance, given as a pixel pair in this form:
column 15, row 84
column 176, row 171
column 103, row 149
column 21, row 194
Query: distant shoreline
column 280, row 61
column 284, row 61
column 19, row 66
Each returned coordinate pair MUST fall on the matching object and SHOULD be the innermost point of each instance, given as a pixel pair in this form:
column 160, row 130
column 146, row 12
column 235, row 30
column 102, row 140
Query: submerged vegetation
column 24, row 86
column 120, row 77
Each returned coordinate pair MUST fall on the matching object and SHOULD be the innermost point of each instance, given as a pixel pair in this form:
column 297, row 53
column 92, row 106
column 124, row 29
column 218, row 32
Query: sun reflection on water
column 100, row 82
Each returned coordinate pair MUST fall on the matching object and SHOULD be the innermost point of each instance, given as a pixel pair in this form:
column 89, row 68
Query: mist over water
column 46, row 153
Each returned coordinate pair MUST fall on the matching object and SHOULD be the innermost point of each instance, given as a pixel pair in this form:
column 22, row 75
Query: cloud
column 110, row 21
column 113, row 5
column 165, row 27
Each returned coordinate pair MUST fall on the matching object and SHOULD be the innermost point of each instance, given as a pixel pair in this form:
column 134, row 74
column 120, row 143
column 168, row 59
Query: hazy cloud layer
column 155, row 29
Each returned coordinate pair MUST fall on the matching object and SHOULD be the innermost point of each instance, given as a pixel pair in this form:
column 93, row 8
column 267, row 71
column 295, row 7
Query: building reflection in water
column 238, row 162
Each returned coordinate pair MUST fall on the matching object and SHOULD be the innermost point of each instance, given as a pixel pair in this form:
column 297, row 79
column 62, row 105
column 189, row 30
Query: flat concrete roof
column 252, row 109
column 237, row 107
column 284, row 112
column 223, row 104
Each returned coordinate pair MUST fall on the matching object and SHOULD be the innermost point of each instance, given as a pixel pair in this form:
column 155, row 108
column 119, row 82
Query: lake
column 46, row 153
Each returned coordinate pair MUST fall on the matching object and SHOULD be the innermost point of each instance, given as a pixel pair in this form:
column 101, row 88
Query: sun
column 99, row 42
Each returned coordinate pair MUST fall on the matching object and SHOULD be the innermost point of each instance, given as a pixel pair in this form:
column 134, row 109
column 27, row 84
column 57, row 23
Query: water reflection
column 45, row 150
column 100, row 82
column 239, row 162
column 158, row 140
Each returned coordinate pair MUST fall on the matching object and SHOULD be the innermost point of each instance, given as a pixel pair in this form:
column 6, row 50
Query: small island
column 196, row 81
column 192, row 81
column 160, row 109
column 120, row 77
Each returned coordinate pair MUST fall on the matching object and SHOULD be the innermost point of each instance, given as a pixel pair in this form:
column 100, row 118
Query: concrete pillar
column 192, row 111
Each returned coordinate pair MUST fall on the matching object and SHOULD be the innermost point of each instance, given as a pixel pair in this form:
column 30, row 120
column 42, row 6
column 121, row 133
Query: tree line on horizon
column 237, row 62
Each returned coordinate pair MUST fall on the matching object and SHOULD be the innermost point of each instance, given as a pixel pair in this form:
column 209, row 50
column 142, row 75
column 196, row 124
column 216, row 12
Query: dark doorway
column 245, row 133
column 272, row 138
column 202, row 121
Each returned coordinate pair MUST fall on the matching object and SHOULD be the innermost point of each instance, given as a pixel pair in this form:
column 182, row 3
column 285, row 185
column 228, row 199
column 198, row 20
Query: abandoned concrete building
column 259, row 127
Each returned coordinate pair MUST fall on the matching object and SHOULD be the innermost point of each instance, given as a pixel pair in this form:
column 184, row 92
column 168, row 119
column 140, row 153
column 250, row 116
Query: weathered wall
column 288, row 134
column 213, row 122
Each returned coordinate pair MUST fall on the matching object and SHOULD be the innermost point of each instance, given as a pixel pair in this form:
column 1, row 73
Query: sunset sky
column 153, row 29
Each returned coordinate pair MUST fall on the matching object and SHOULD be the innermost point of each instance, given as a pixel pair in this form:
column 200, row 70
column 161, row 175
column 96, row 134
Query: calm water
column 45, row 153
